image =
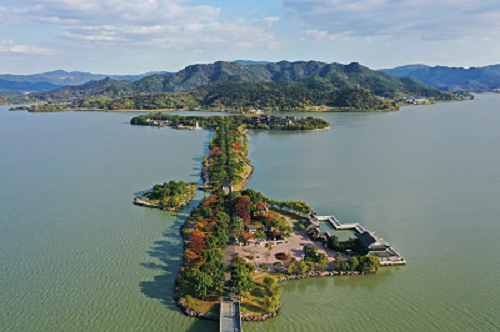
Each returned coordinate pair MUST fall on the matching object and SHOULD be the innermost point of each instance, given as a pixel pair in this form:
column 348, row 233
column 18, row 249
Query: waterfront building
column 370, row 244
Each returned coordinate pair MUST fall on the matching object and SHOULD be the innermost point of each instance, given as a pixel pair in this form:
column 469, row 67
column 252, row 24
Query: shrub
column 264, row 266
column 251, row 257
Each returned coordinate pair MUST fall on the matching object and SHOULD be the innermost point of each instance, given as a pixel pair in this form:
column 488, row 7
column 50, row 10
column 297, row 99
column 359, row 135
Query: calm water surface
column 76, row 255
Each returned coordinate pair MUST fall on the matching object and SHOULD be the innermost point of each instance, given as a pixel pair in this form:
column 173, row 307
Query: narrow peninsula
column 238, row 243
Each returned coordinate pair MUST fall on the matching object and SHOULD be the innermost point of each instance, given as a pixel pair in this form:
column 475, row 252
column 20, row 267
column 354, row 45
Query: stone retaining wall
column 320, row 274
column 255, row 318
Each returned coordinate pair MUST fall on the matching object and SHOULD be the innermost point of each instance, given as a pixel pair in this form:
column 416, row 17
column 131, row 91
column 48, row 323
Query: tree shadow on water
column 161, row 288
column 200, row 325
column 169, row 253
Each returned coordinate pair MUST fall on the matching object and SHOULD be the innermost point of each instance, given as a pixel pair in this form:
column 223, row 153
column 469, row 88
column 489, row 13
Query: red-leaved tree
column 197, row 244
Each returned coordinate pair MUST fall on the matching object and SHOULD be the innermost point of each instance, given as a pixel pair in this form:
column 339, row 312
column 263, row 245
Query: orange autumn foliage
column 247, row 235
column 190, row 256
column 260, row 206
column 213, row 198
column 198, row 233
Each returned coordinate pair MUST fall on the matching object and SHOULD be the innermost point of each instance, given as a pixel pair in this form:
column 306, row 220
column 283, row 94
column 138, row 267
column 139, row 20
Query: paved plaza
column 294, row 247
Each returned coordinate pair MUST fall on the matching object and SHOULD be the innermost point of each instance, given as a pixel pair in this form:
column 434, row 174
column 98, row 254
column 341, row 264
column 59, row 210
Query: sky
column 136, row 36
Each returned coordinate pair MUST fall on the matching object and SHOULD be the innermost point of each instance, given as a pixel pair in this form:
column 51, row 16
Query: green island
column 238, row 243
column 167, row 196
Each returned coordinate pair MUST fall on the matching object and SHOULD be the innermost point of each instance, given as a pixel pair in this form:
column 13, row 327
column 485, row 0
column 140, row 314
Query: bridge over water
column 230, row 316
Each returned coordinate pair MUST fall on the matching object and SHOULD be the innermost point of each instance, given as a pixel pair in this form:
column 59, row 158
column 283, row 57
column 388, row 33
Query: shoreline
column 184, row 289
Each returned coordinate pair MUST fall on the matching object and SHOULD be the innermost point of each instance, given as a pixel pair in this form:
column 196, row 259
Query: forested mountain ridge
column 78, row 92
column 314, row 74
column 334, row 75
column 452, row 78
column 312, row 94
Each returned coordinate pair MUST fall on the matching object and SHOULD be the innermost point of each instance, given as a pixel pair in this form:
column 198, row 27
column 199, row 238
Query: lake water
column 76, row 255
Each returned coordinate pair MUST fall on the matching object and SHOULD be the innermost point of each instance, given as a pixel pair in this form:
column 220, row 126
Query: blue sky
column 134, row 36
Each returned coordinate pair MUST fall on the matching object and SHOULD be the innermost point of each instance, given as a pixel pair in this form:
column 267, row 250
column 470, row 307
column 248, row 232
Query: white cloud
column 332, row 20
column 268, row 21
column 164, row 24
column 142, row 30
column 8, row 47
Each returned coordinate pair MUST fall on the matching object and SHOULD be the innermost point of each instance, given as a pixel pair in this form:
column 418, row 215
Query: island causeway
column 238, row 243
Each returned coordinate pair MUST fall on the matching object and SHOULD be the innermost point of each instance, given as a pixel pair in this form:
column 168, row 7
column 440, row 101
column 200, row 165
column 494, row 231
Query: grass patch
column 239, row 186
column 297, row 219
column 254, row 302
column 211, row 302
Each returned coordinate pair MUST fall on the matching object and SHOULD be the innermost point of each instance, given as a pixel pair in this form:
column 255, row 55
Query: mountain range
column 13, row 85
column 452, row 78
column 316, row 76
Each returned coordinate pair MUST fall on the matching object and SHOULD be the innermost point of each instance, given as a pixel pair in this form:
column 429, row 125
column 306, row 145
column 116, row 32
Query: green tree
column 333, row 242
column 174, row 201
column 260, row 235
column 302, row 267
column 354, row 263
column 203, row 284
column 270, row 282
column 237, row 261
column 323, row 262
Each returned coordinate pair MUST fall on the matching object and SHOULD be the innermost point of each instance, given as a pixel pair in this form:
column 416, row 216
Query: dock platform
column 394, row 259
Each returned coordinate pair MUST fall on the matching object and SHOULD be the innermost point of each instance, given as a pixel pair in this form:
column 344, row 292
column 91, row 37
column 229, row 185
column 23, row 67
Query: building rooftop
column 368, row 239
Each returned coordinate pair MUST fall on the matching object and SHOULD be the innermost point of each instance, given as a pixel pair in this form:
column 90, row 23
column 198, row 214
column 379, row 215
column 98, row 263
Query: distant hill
column 402, row 71
column 19, row 84
column 452, row 78
column 282, row 96
column 333, row 75
column 314, row 74
column 250, row 62
column 78, row 92
column 9, row 88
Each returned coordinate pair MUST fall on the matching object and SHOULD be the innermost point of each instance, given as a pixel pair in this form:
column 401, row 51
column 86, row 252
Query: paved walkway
column 289, row 222
column 295, row 248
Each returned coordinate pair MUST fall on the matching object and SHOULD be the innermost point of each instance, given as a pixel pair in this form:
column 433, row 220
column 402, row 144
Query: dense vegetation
column 282, row 96
column 312, row 75
column 230, row 133
column 358, row 263
column 40, row 108
column 204, row 267
column 171, row 194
